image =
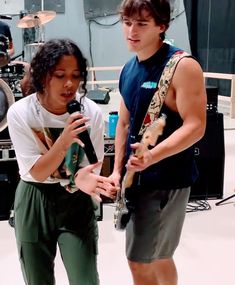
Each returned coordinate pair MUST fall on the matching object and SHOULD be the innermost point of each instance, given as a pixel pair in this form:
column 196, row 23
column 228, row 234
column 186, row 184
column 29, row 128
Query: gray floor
column 205, row 256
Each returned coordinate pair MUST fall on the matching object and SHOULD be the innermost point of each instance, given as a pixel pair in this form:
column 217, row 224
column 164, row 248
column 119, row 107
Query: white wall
column 178, row 30
column 108, row 45
column 11, row 6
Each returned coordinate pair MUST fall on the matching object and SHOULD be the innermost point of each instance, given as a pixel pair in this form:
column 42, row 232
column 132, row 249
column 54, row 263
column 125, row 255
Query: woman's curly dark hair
column 48, row 56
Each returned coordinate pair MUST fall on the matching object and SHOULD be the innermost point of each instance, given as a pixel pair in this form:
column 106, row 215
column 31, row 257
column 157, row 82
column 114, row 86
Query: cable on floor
column 198, row 205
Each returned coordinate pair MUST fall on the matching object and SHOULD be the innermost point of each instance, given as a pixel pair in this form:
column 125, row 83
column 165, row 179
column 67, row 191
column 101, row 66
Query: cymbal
column 36, row 19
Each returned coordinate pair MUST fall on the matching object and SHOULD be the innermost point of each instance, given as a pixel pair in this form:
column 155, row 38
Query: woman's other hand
column 95, row 185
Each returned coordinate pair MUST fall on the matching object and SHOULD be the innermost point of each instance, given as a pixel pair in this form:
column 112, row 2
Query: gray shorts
column 154, row 229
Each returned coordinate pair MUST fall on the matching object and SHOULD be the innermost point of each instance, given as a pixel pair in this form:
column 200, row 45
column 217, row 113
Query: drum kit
column 11, row 71
column 36, row 21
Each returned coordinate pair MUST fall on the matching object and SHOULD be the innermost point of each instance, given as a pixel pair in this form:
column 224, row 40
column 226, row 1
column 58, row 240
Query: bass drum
column 6, row 100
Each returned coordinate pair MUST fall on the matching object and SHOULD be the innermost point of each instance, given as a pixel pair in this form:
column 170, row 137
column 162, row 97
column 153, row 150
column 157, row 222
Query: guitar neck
column 128, row 178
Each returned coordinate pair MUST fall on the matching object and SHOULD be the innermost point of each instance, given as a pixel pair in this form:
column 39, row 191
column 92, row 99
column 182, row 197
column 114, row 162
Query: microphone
column 5, row 17
column 74, row 106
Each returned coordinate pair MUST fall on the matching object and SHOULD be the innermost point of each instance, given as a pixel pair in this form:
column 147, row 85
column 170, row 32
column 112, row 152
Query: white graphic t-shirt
column 33, row 130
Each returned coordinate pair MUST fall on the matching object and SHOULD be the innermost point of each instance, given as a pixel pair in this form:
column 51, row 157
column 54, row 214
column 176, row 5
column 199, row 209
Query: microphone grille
column 73, row 106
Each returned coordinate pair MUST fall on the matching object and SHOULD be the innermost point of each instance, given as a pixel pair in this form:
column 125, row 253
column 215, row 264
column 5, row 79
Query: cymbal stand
column 40, row 32
column 21, row 15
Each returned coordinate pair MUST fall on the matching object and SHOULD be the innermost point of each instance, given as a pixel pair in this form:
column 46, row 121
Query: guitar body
column 122, row 214
column 123, row 207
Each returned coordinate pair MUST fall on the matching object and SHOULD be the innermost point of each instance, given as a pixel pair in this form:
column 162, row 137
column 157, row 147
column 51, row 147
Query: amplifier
column 210, row 159
column 109, row 148
column 99, row 96
column 9, row 178
column 212, row 93
column 7, row 151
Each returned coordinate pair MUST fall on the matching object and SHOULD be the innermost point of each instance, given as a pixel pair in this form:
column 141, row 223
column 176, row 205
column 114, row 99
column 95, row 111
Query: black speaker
column 99, row 96
column 212, row 93
column 9, row 179
column 210, row 156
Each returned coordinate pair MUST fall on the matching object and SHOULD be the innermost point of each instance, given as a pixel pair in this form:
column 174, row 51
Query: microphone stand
column 18, row 55
column 226, row 199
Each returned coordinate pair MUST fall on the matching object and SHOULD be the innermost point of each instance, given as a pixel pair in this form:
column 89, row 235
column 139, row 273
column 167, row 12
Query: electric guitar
column 122, row 213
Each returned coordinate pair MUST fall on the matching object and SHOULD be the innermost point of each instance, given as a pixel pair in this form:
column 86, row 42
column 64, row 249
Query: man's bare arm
column 186, row 96
column 120, row 139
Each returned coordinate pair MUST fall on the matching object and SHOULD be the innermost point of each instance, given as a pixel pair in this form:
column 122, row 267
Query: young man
column 163, row 174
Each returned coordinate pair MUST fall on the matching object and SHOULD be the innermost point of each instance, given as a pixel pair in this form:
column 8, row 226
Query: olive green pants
column 37, row 261
column 45, row 221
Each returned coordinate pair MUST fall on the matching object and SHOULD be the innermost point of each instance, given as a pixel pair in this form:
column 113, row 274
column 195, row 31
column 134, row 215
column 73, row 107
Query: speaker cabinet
column 212, row 93
column 9, row 178
column 107, row 167
column 210, row 156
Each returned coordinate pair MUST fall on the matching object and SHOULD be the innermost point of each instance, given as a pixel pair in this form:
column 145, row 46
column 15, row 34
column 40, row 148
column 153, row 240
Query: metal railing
column 231, row 98
column 94, row 70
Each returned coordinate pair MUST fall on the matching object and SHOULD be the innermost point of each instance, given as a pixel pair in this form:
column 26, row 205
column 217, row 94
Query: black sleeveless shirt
column 137, row 85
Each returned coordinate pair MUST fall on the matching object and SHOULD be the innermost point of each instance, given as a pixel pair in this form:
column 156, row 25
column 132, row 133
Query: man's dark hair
column 158, row 9
column 48, row 56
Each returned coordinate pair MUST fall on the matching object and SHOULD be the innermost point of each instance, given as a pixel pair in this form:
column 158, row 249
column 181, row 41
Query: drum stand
column 18, row 55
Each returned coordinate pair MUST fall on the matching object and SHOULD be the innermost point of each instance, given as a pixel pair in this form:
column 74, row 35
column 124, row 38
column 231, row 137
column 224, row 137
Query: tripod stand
column 226, row 199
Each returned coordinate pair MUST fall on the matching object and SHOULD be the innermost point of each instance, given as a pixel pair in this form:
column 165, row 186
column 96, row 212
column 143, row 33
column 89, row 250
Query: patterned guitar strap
column 161, row 91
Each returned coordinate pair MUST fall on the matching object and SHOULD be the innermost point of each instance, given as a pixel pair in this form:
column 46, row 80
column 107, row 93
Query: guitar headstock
column 153, row 131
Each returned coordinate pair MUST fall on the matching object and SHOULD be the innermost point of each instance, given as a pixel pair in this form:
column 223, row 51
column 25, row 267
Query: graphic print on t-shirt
column 45, row 138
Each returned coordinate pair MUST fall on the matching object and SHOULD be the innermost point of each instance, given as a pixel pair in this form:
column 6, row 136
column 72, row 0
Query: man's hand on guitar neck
column 141, row 159
column 115, row 177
